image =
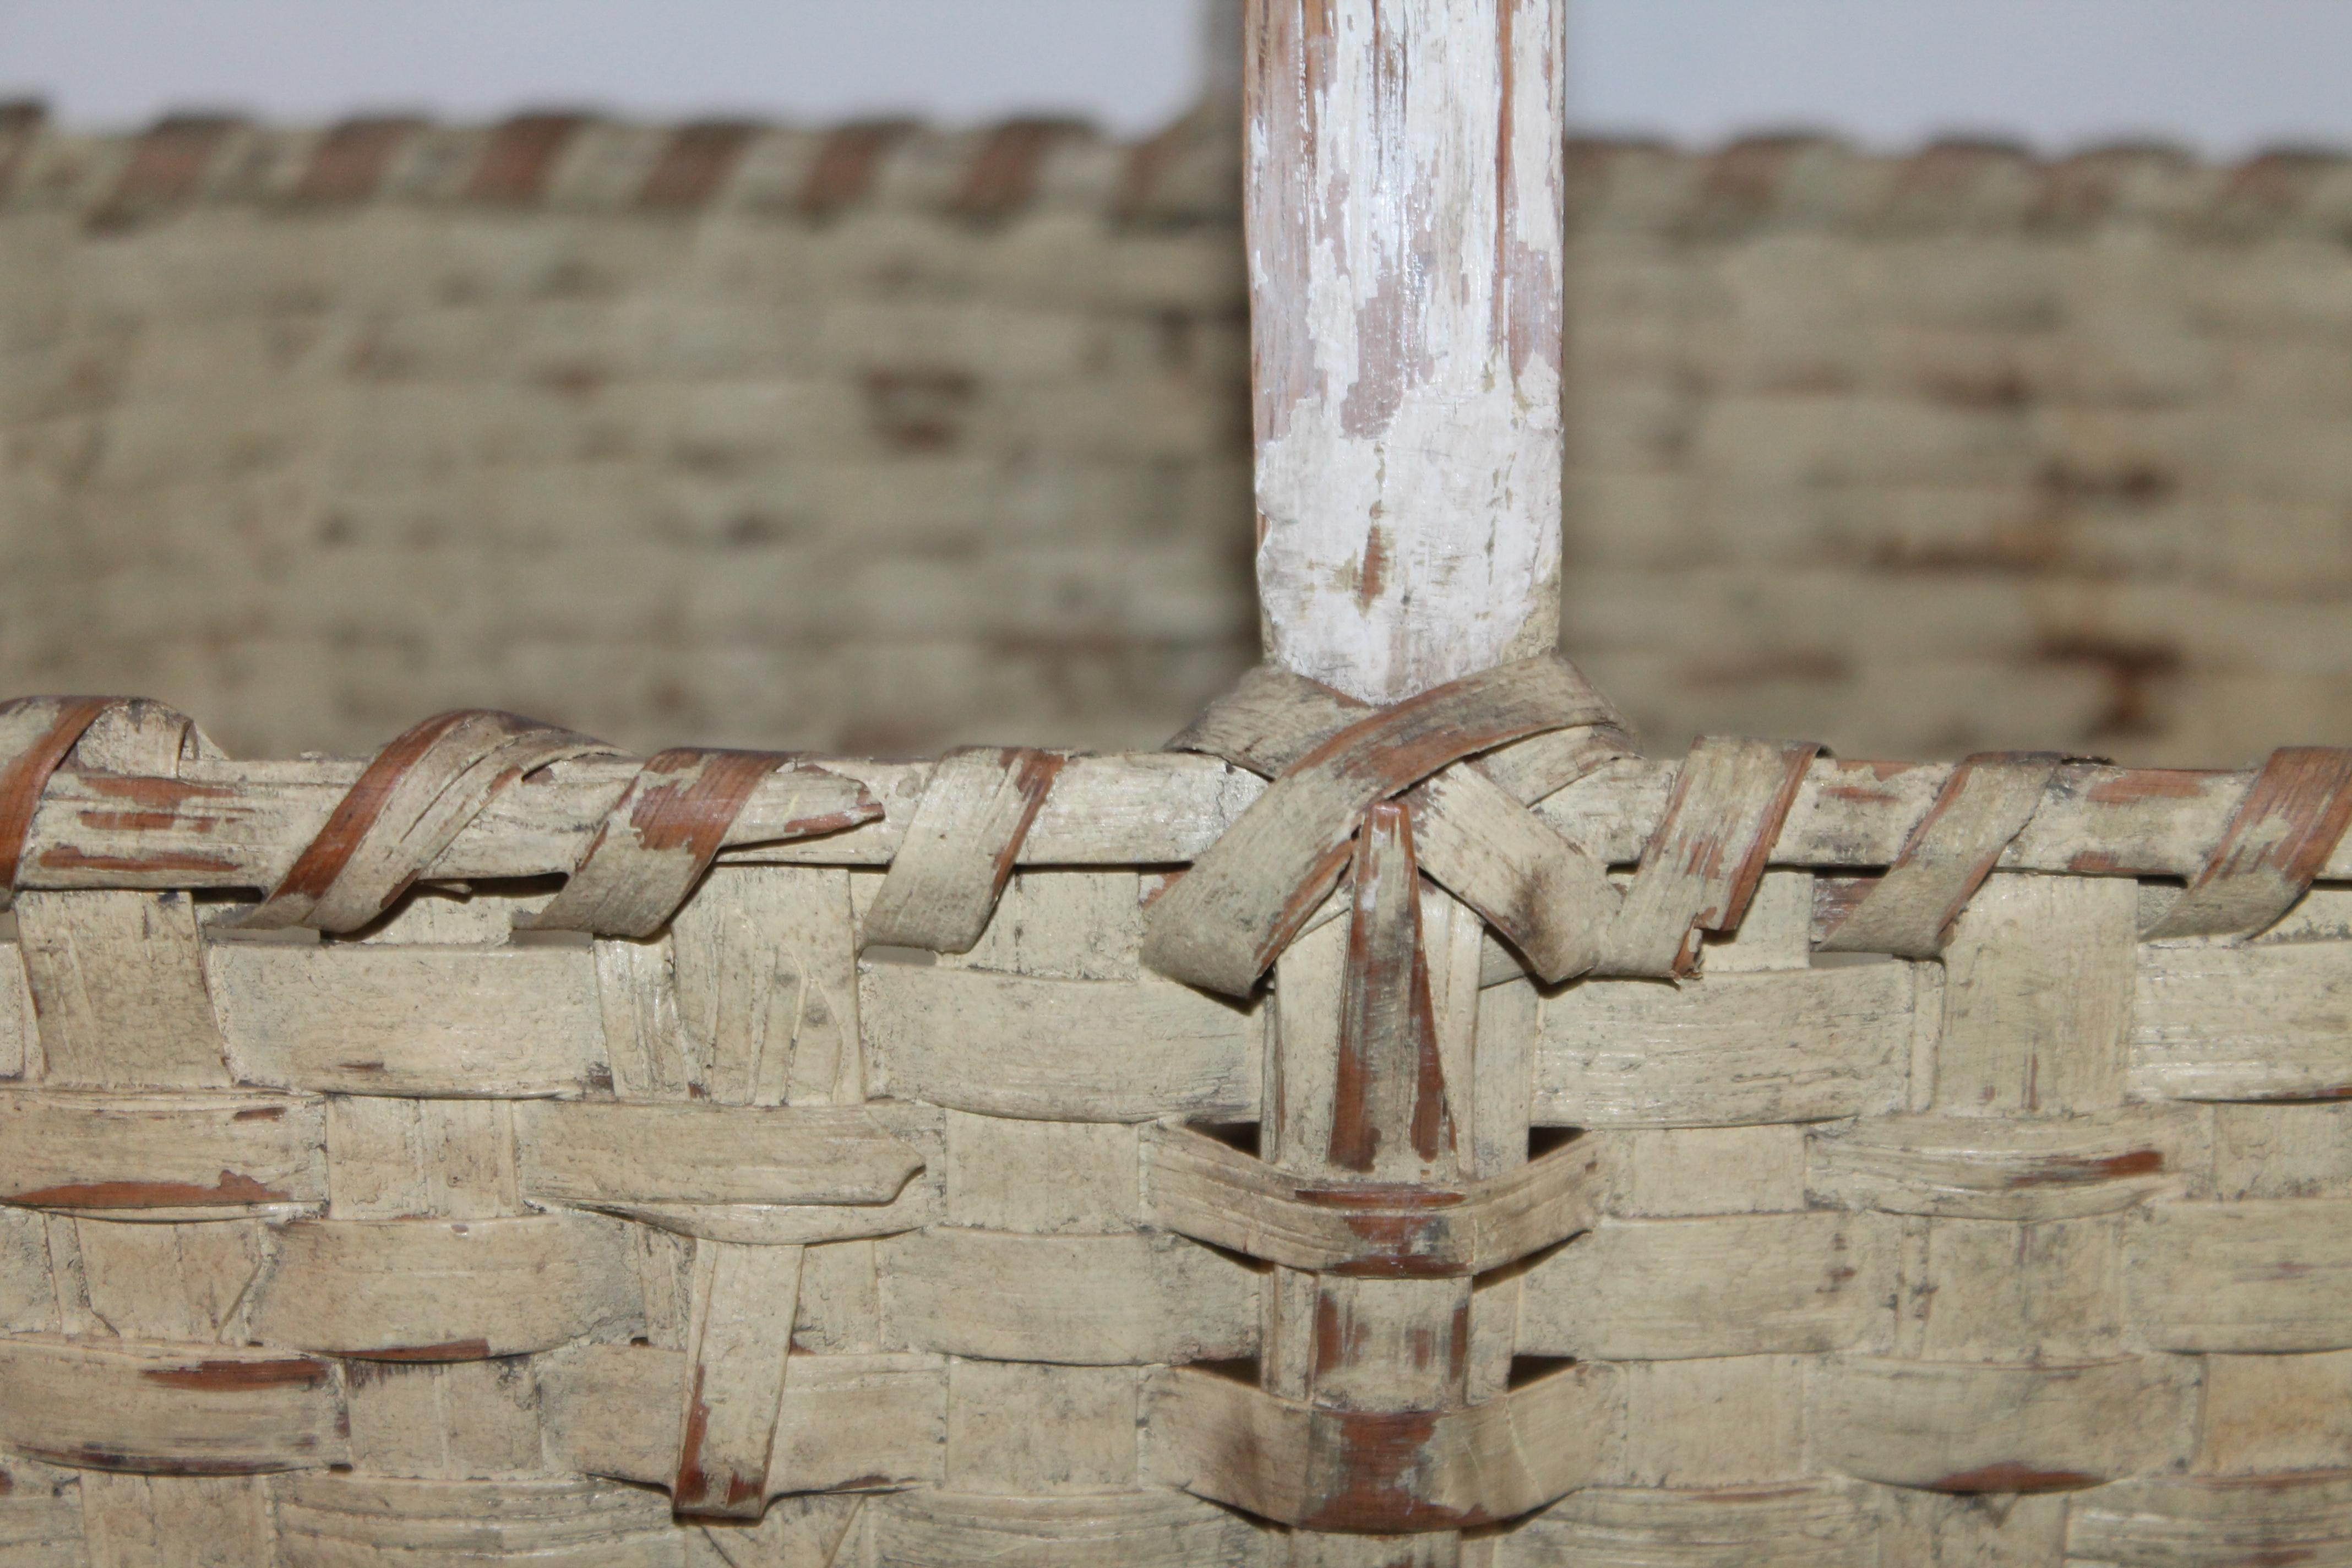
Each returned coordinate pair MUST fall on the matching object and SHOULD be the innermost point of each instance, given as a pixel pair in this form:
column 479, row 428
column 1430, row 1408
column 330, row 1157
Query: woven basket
column 1434, row 1126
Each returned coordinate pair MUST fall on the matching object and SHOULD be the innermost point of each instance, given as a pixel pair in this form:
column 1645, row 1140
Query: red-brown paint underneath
column 1372, row 1198
column 350, row 160
column 692, row 1481
column 696, row 1491
column 323, row 859
column 694, row 816
column 167, row 164
column 2137, row 786
column 1374, row 575
column 476, row 1349
column 521, row 156
column 1387, row 1026
column 1034, row 779
column 844, row 168
column 1002, row 180
column 694, row 165
column 239, row 1376
column 2062, row 1170
column 95, row 1459
column 137, row 821
column 66, row 857
column 1741, row 890
column 2013, row 1477
column 2307, row 790
column 159, row 794
column 28, row 772
column 1335, row 1343
column 232, row 1188
column 1376, row 1466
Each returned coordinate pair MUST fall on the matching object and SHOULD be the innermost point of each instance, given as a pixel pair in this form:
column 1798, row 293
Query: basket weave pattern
column 743, row 1159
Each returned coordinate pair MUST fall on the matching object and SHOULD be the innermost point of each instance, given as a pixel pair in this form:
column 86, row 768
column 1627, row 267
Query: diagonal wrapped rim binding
column 414, row 798
column 1222, row 924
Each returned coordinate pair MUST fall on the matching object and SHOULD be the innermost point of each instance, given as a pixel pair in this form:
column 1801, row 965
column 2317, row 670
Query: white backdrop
column 2223, row 77
column 1131, row 65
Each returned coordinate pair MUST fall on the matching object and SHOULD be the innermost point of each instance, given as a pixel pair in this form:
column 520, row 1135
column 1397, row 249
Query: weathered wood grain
column 2253, row 1023
column 1681, row 1173
column 797, row 1225
column 1994, row 1291
column 618, row 1155
column 2038, row 981
column 1981, row 1428
column 1049, row 1178
column 1714, row 1422
column 1060, row 925
column 738, row 1351
column 1791, row 1046
column 1701, row 867
column 961, row 848
column 1059, row 1050
column 936, row 1529
column 216, row 823
column 1723, row 1286
column 847, row 1421
column 2259, row 1276
column 1550, row 898
column 407, row 1159
column 40, row 1526
column 1984, row 805
column 2272, row 1151
column 161, row 1156
column 403, row 811
column 173, row 1282
column 1407, row 419
column 2283, row 831
column 444, row 1290
column 1946, row 1528
column 1026, row 1429
column 764, row 989
column 1390, row 1118
column 129, row 1520
column 666, row 830
column 1069, row 1299
column 20, row 1054
column 167, row 1409
column 1377, row 1472
column 1806, row 1524
column 2185, row 1521
column 1977, row 1167
column 37, row 734
column 2264, row 1414
column 355, row 1018
column 377, row 1522
column 118, row 987
column 1203, row 1188
column 455, row 1420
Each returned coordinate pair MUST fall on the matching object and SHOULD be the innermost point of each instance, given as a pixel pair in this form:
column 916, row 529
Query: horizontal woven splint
column 506, row 1149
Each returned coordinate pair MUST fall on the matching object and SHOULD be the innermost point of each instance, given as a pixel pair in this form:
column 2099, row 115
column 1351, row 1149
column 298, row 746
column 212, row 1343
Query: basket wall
column 450, row 1241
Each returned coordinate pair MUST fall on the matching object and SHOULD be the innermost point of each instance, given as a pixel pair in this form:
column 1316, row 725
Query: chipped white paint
column 1405, row 240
